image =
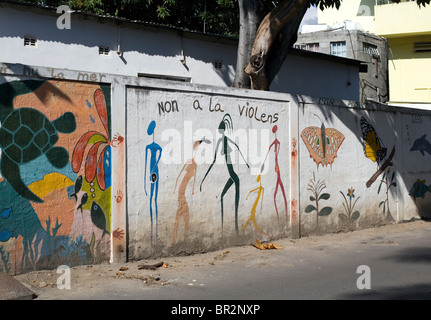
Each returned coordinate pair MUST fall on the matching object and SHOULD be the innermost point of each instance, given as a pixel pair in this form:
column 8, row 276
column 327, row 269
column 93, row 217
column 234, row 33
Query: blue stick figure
column 154, row 173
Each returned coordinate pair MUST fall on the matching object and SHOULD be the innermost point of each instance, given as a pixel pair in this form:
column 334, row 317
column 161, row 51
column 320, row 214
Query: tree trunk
column 281, row 25
column 249, row 22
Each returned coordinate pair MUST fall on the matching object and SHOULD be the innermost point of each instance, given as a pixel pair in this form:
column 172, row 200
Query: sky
column 310, row 17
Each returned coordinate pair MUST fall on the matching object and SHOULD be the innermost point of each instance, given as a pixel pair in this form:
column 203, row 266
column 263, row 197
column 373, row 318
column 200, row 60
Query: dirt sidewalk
column 160, row 272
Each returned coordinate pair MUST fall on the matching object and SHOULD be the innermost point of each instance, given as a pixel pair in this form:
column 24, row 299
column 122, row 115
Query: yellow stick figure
column 260, row 193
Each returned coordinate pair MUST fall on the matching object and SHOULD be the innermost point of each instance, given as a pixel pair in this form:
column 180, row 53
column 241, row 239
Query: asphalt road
column 397, row 262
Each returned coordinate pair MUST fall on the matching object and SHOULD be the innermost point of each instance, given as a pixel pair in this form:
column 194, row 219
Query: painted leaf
column 355, row 215
column 381, row 203
column 380, row 187
column 90, row 164
column 310, row 208
column 343, row 218
column 325, row 196
column 312, row 198
column 325, row 212
column 101, row 170
column 78, row 152
column 99, row 101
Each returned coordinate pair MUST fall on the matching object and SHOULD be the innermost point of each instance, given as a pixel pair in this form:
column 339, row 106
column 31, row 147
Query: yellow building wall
column 409, row 71
column 397, row 20
column 361, row 11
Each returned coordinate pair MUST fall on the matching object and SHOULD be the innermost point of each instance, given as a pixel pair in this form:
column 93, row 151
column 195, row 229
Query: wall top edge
column 41, row 72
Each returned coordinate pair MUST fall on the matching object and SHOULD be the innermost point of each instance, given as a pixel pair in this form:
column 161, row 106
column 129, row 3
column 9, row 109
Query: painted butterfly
column 322, row 143
column 374, row 148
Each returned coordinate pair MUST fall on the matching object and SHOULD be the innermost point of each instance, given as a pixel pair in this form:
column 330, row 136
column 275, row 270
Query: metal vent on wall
column 30, row 41
column 218, row 64
column 422, row 46
column 104, row 51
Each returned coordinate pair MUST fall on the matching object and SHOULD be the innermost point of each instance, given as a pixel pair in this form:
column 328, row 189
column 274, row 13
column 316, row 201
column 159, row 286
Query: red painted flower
column 94, row 164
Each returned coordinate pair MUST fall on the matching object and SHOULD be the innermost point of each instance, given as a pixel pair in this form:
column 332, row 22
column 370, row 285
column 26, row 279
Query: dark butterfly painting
column 374, row 148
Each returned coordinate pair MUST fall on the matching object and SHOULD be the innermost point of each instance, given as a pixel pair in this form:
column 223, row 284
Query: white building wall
column 155, row 51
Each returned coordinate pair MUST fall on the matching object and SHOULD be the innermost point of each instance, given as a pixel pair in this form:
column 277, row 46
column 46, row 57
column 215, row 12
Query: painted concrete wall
column 375, row 171
column 137, row 168
column 205, row 170
column 55, row 204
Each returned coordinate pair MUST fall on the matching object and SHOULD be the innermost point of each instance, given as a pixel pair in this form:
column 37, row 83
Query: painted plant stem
column 316, row 188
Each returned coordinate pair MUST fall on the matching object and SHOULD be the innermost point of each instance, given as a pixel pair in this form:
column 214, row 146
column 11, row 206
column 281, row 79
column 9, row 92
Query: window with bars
column 339, row 48
column 308, row 46
column 371, row 49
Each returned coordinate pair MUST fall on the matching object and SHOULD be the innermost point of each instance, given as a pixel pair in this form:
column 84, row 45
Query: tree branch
column 382, row 169
column 267, row 33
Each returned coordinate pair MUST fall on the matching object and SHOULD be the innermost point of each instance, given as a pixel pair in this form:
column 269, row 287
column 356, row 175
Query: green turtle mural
column 25, row 135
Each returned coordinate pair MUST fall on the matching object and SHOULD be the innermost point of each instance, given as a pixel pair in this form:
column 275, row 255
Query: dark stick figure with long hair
column 279, row 183
column 153, row 148
column 226, row 150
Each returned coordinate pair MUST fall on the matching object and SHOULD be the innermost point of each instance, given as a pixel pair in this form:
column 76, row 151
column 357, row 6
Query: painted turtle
column 25, row 135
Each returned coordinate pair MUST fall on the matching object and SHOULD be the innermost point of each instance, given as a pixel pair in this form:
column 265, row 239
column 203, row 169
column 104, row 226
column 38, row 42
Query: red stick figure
column 279, row 183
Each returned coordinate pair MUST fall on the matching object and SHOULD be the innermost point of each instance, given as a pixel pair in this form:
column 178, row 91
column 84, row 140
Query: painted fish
column 98, row 217
column 422, row 145
column 5, row 213
column 419, row 189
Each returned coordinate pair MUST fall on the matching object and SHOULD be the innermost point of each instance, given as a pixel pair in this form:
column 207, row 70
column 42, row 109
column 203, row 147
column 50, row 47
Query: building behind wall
column 99, row 45
column 355, row 44
column 407, row 28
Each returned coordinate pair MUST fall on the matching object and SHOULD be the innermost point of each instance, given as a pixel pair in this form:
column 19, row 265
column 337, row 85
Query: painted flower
column 98, row 157
column 350, row 193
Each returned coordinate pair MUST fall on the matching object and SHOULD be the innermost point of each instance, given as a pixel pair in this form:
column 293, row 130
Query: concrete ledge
column 12, row 289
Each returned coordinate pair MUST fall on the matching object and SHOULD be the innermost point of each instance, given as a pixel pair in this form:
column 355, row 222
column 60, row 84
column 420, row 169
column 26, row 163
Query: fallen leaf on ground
column 266, row 246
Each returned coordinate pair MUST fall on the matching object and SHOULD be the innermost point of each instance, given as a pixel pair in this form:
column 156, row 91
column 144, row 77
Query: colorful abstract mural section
column 55, row 181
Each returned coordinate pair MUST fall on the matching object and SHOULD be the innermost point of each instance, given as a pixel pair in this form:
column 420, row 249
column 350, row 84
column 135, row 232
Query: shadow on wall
column 54, row 208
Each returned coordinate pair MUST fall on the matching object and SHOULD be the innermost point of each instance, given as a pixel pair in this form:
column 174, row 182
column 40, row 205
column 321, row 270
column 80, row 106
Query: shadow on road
column 416, row 255
column 413, row 292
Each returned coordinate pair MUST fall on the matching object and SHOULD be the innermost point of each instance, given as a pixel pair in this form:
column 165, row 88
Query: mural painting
column 153, row 149
column 419, row 189
column 183, row 208
column 226, row 142
column 259, row 198
column 317, row 195
column 209, row 157
column 349, row 216
column 322, row 143
column 375, row 150
column 55, row 208
column 279, row 183
column 422, row 145
column 388, row 184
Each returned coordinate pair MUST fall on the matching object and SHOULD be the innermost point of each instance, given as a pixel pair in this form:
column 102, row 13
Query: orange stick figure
column 183, row 208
